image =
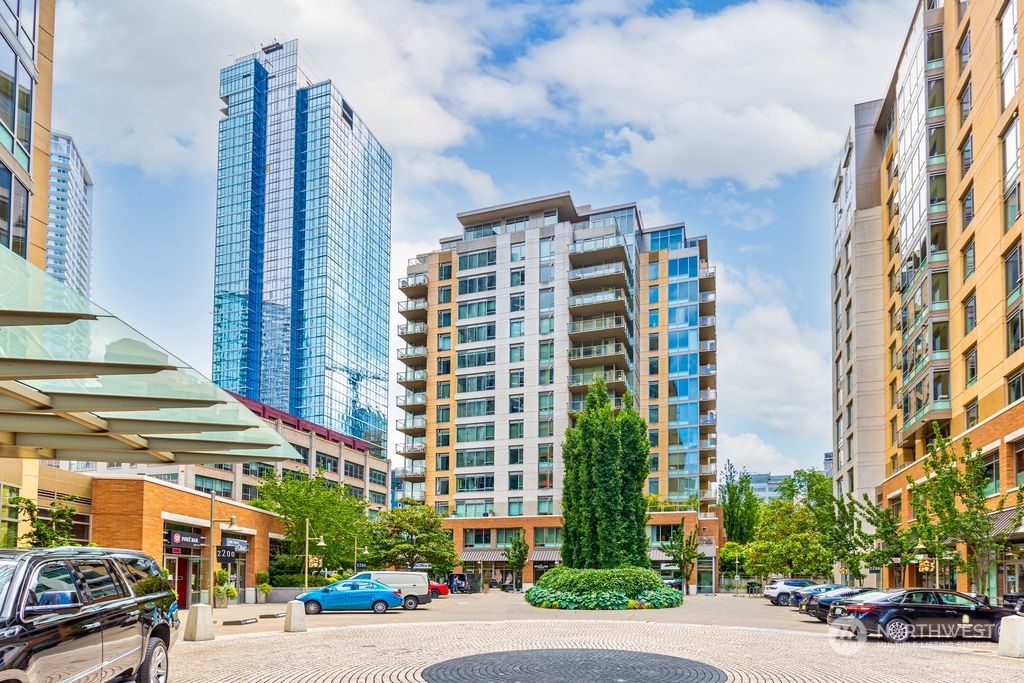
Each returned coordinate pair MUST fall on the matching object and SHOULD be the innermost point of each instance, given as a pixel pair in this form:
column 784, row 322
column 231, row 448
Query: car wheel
column 313, row 607
column 434, row 594
column 897, row 631
column 410, row 602
column 783, row 599
column 380, row 607
column 823, row 619
column 996, row 627
column 154, row 666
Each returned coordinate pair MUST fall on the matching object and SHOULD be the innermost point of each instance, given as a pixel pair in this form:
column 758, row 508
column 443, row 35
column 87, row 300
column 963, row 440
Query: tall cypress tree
column 635, row 458
column 603, row 508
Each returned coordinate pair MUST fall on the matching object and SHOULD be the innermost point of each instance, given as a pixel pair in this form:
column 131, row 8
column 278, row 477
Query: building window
column 652, row 294
column 653, row 437
column 515, row 507
column 547, row 300
column 546, row 403
column 518, row 277
column 547, row 273
column 475, row 284
column 250, row 492
column 444, row 295
column 444, row 389
column 965, row 103
column 652, row 415
column 968, row 259
column 516, row 404
column 444, row 271
column 515, row 481
column 970, row 313
column 992, row 473
column 546, row 349
column 937, row 193
column 1015, row 387
column 936, row 144
column 327, row 463
column 653, row 486
column 1008, row 51
column 653, row 364
column 442, row 437
column 1012, row 270
column 652, row 317
column 444, row 366
column 967, row 154
column 933, row 49
column 444, row 342
column 442, row 486
column 476, row 538
column 477, row 309
column 354, row 470
column 652, row 390
column 211, row 485
column 545, row 506
column 517, row 252
column 441, row 508
column 546, row 427
column 442, row 462
column 1015, row 331
column 971, row 365
column 516, row 353
column 444, row 414
column 967, row 207
column 546, row 376
column 517, row 302
column 964, row 50
column 971, row 414
column 475, row 432
column 517, row 327
column 478, row 259
column 515, row 455
column 444, row 318
column 1018, row 462
column 476, row 457
column 652, row 270
column 546, row 324
column 515, row 378
column 547, row 249
column 516, row 429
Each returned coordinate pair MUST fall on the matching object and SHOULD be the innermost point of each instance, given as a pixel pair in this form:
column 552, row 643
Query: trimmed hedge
column 625, row 588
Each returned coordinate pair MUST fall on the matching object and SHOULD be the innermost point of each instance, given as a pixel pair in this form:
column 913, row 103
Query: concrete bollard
column 295, row 617
column 1011, row 637
column 199, row 624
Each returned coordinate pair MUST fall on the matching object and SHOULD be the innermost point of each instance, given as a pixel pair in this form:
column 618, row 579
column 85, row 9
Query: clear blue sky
column 726, row 115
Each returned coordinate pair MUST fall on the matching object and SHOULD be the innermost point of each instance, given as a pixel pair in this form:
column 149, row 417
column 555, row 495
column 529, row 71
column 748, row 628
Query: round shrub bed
column 625, row 588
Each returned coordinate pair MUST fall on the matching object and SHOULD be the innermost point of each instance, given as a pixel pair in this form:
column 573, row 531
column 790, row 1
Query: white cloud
column 773, row 373
column 732, row 210
column 749, row 92
column 748, row 451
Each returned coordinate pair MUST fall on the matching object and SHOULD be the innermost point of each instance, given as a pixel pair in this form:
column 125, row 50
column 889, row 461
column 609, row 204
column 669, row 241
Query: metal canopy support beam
column 9, row 318
column 161, row 443
column 100, row 403
column 40, row 423
column 141, row 457
column 25, row 452
column 123, row 425
column 88, row 442
column 36, row 368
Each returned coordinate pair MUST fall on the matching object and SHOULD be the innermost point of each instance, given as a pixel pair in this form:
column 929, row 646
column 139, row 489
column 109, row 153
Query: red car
column 437, row 590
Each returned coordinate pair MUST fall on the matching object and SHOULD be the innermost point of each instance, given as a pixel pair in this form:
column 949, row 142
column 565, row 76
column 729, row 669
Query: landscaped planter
column 605, row 589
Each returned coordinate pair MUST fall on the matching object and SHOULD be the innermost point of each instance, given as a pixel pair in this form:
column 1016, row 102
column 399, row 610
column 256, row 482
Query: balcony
column 615, row 301
column 706, row 321
column 578, row 404
column 617, row 380
column 417, row 472
column 707, row 272
column 414, row 285
column 598, row 250
column 599, row 276
column 413, row 402
column 708, row 496
column 708, row 395
column 413, row 355
column 709, row 418
column 413, row 309
column 412, row 448
column 708, row 370
column 709, row 470
column 709, row 444
column 417, row 495
column 415, row 378
column 600, row 329
column 412, row 333
column 412, row 425
column 611, row 353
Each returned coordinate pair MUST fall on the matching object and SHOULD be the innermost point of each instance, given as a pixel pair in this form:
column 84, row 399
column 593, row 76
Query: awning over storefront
column 483, row 555
column 77, row 383
column 1004, row 522
column 546, row 555
column 658, row 555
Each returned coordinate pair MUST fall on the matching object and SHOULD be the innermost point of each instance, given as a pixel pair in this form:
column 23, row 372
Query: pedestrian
column 461, row 583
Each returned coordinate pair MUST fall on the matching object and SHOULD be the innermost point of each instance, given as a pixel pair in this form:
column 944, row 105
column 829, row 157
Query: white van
column 415, row 586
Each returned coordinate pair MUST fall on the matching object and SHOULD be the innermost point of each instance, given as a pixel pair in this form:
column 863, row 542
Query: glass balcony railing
column 412, row 376
column 597, row 244
column 418, row 399
column 412, row 305
column 597, row 324
column 419, row 422
column 412, row 328
column 598, row 350
column 416, row 280
column 599, row 297
column 710, row 345
column 709, row 395
column 578, row 404
column 707, row 321
column 412, row 352
column 706, row 370
column 599, row 270
column 585, row 378
column 411, row 447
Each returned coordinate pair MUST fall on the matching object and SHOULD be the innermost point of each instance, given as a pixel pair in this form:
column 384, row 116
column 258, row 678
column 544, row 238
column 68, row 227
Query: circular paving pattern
column 571, row 666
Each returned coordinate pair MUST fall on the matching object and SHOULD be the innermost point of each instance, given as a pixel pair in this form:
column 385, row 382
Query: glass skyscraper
column 303, row 241
column 69, row 225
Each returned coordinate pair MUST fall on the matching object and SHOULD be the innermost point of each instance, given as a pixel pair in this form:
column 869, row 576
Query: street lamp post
column 355, row 553
column 305, row 557
column 213, row 548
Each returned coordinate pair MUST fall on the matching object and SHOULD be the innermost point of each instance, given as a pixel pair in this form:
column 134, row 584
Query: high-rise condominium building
column 26, row 81
column 507, row 325
column 301, row 285
column 69, row 227
column 944, row 154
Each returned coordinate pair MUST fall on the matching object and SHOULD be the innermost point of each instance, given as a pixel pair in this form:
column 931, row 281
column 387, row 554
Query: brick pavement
column 394, row 648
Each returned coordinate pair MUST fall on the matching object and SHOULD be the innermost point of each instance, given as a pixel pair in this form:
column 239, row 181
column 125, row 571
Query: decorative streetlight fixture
column 232, row 526
column 305, row 557
column 355, row 553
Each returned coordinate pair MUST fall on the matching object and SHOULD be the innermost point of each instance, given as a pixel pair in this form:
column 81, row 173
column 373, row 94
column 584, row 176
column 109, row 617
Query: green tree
column 339, row 518
column 47, row 533
column 740, row 505
column 516, row 553
column 636, row 449
column 731, row 560
column 592, row 506
column 682, row 549
column 888, row 544
column 951, row 507
column 787, row 542
column 410, row 535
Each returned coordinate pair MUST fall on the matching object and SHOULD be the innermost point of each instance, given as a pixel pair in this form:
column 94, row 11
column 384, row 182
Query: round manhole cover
column 572, row 666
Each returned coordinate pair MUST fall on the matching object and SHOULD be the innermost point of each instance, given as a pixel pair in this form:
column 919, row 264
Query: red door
column 179, row 574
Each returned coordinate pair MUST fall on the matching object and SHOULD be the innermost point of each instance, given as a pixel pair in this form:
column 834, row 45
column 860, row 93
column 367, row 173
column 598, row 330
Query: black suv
column 74, row 613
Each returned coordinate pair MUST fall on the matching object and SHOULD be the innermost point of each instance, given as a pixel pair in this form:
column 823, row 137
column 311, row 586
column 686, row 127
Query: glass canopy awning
column 77, row 383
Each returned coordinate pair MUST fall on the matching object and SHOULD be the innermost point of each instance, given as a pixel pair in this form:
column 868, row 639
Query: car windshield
column 874, row 596
column 6, row 572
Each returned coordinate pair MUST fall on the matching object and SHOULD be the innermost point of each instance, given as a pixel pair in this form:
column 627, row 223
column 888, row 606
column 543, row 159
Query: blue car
column 351, row 595
column 801, row 594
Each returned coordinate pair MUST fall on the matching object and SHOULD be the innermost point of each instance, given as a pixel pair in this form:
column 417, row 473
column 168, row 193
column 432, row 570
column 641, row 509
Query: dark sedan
column 801, row 594
column 901, row 614
column 818, row 605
